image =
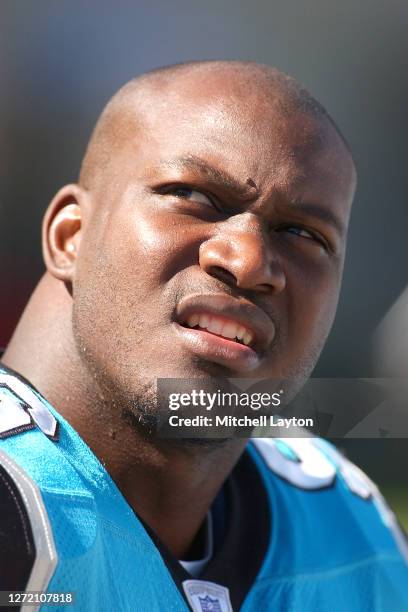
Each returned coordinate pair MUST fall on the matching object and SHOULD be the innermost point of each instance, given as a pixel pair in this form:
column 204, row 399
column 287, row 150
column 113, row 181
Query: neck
column 171, row 486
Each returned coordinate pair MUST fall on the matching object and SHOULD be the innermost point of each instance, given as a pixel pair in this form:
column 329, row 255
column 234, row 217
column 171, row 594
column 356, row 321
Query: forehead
column 249, row 132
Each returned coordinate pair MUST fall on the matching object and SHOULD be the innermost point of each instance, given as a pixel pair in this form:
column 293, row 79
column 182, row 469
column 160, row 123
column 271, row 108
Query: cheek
column 111, row 287
column 312, row 301
column 123, row 286
column 159, row 248
column 111, row 314
column 307, row 310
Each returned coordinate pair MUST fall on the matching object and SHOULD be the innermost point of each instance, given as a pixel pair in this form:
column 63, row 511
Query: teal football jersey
column 297, row 527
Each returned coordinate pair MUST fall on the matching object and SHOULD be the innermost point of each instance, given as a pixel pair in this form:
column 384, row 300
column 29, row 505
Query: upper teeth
column 218, row 326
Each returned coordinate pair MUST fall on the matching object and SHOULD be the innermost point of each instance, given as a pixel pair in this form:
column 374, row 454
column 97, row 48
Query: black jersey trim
column 16, row 537
column 239, row 558
column 36, row 542
column 17, row 430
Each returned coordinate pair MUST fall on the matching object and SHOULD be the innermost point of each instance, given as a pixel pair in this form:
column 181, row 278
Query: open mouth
column 221, row 327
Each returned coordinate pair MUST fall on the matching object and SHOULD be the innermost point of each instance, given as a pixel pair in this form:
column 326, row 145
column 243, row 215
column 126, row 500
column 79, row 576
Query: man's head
column 212, row 195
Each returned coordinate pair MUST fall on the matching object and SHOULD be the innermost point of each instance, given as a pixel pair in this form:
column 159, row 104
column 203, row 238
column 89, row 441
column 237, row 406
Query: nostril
column 223, row 275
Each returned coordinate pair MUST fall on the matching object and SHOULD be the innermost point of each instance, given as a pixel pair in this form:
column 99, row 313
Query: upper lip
column 238, row 310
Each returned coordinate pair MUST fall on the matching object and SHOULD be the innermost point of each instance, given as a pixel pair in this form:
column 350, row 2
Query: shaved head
column 255, row 85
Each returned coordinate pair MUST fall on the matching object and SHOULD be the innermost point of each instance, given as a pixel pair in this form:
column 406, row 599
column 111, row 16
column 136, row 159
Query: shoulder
column 329, row 497
column 333, row 537
column 37, row 482
column 28, row 551
column 32, row 435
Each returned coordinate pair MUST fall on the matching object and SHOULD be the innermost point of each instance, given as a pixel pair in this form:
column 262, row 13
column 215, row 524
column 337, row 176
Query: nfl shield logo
column 209, row 605
column 205, row 596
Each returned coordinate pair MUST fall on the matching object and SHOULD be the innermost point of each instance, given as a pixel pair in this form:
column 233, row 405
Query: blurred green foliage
column 397, row 497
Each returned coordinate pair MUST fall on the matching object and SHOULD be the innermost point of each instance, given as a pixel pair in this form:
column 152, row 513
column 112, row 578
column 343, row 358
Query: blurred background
column 61, row 61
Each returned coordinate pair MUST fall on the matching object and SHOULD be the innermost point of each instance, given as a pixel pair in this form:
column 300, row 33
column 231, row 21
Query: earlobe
column 62, row 232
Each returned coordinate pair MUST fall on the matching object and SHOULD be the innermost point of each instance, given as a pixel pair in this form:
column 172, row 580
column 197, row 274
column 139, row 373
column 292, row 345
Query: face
column 215, row 244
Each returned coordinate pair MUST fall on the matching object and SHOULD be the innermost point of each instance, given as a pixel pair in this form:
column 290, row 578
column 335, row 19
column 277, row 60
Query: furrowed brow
column 244, row 191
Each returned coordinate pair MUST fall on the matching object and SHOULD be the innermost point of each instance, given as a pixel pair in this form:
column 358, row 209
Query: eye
column 193, row 195
column 302, row 232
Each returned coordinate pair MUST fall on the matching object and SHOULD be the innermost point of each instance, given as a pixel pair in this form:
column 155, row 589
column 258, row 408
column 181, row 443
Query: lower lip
column 228, row 353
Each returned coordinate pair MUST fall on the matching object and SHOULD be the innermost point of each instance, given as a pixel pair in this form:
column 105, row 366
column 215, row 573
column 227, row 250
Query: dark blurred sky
column 61, row 61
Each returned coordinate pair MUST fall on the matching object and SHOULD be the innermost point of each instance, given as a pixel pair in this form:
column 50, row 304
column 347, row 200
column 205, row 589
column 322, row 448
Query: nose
column 241, row 254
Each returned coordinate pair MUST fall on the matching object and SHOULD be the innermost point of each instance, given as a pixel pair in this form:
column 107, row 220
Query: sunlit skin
column 186, row 190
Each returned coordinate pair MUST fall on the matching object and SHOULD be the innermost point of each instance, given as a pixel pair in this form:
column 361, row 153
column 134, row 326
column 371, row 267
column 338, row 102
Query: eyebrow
column 244, row 191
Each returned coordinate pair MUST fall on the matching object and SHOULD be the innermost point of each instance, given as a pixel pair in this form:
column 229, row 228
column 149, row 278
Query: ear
column 61, row 231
